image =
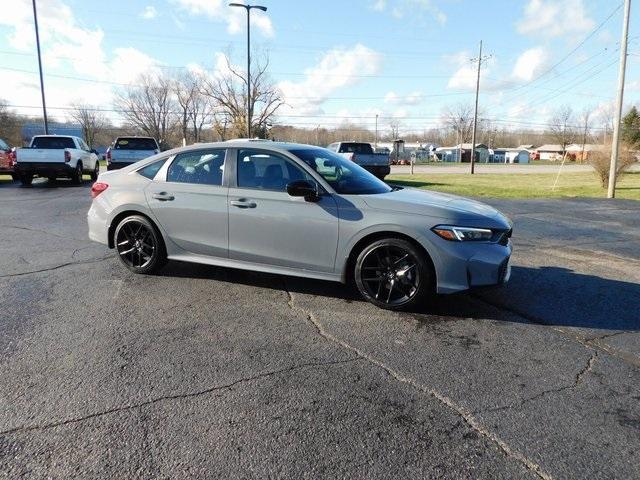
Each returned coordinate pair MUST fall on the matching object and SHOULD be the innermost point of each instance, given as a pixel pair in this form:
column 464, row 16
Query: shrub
column 601, row 160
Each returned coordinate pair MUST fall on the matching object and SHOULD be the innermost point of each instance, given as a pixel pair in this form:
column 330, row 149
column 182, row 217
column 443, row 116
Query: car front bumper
column 44, row 169
column 464, row 265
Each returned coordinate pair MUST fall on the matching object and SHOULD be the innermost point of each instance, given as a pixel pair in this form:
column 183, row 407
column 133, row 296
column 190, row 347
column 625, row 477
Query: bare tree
column 562, row 128
column 9, row 125
column 459, row 118
column 149, row 106
column 228, row 93
column 585, row 127
column 394, row 128
column 91, row 120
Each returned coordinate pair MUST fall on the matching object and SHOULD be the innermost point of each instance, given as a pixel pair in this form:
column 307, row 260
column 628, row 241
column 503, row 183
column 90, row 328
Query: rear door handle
column 163, row 196
column 243, row 204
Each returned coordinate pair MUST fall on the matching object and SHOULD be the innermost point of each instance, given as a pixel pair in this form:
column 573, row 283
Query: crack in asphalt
column 589, row 343
column 466, row 415
column 36, row 230
column 576, row 382
column 177, row 396
column 56, row 267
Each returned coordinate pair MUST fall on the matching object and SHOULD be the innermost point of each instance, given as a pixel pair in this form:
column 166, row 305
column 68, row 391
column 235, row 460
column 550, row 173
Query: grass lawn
column 532, row 185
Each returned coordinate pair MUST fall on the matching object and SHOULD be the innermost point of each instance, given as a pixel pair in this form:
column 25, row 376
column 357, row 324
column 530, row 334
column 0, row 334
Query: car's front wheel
column 139, row 245
column 394, row 274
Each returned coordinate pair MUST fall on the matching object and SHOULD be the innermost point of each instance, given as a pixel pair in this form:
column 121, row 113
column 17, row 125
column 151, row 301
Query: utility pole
column 376, row 142
column 248, row 9
column 611, row 192
column 475, row 114
column 44, row 103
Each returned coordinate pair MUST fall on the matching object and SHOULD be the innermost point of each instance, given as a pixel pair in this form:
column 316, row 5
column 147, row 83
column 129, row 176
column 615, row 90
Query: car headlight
column 463, row 234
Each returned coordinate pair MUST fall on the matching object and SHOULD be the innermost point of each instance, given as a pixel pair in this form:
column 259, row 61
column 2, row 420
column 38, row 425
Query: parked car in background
column 128, row 150
column 55, row 156
column 362, row 153
column 7, row 159
column 298, row 210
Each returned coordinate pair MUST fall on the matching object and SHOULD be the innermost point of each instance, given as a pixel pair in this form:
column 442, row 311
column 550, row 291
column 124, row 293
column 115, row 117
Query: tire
column 26, row 179
column 77, row 175
column 139, row 245
column 96, row 172
column 394, row 274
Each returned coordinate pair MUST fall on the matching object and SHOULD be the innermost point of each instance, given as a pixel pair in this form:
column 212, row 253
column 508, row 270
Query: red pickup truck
column 7, row 159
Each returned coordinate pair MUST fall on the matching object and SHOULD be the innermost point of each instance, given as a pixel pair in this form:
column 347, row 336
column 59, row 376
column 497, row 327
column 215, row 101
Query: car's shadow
column 546, row 295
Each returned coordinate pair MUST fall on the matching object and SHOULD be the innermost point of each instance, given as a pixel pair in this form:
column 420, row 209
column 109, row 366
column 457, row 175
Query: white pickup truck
column 128, row 150
column 54, row 156
column 362, row 153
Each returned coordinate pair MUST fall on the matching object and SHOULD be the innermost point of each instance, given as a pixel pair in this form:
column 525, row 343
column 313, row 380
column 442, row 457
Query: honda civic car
column 302, row 211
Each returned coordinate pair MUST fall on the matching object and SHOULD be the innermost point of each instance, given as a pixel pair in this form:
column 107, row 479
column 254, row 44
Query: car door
column 190, row 201
column 268, row 226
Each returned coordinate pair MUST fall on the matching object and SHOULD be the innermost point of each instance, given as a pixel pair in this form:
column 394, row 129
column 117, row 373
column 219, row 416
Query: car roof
column 243, row 143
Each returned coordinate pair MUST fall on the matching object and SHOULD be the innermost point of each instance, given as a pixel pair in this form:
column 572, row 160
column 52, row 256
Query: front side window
column 267, row 171
column 202, row 167
column 344, row 176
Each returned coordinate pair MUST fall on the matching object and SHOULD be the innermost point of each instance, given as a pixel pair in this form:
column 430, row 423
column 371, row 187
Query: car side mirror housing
column 93, row 150
column 303, row 188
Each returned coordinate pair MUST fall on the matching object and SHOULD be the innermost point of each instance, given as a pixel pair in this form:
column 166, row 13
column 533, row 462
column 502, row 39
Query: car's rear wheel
column 26, row 179
column 393, row 273
column 96, row 172
column 77, row 174
column 139, row 245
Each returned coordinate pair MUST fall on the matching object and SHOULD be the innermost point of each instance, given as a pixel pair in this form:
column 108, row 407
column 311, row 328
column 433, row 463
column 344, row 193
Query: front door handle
column 243, row 204
column 163, row 196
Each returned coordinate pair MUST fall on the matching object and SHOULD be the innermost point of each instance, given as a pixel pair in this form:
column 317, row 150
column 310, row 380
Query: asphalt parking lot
column 207, row 372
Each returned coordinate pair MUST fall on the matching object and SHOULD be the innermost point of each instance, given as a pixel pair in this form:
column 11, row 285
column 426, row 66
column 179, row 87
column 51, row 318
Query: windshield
column 52, row 142
column 133, row 143
column 344, row 176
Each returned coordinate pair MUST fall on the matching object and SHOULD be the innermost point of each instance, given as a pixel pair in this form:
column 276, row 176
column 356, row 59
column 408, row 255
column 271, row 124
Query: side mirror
column 302, row 188
column 94, row 151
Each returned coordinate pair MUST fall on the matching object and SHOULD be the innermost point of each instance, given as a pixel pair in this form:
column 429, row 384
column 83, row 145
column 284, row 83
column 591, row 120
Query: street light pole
column 44, row 103
column 615, row 144
column 248, row 9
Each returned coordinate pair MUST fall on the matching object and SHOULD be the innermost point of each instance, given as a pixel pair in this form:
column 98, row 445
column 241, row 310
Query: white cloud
column 529, row 64
column 411, row 99
column 69, row 50
column 149, row 12
column 554, row 18
column 379, row 5
column 234, row 17
column 403, row 8
column 338, row 68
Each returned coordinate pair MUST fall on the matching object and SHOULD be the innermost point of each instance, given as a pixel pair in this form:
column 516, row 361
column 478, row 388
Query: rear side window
column 53, row 142
column 150, row 170
column 202, row 167
column 134, row 143
column 3, row 146
column 361, row 148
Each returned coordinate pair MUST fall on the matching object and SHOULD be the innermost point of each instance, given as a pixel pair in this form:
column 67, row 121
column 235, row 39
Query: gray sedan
column 298, row 210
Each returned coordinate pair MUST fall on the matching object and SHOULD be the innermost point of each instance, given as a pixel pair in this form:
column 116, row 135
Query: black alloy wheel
column 139, row 245
column 393, row 274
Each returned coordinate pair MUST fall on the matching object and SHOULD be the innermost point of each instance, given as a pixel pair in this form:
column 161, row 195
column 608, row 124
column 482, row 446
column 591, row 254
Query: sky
column 334, row 61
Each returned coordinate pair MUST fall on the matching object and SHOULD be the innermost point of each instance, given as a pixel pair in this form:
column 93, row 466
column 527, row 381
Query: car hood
column 450, row 208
